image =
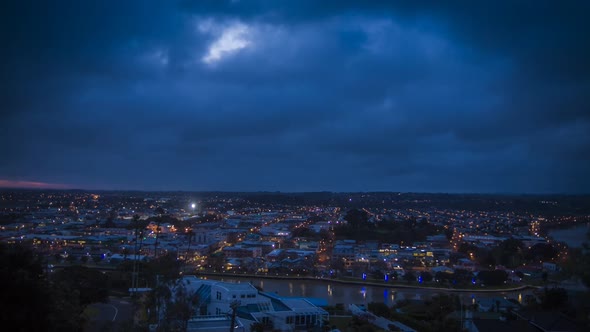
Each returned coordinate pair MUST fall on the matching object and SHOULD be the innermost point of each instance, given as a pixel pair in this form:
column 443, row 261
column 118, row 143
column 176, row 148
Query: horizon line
column 67, row 188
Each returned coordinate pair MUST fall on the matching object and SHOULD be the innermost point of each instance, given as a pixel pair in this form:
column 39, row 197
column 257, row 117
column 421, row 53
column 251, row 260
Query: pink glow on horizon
column 32, row 185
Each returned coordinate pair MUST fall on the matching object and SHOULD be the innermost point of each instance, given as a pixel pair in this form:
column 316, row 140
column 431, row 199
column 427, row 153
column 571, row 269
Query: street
column 116, row 315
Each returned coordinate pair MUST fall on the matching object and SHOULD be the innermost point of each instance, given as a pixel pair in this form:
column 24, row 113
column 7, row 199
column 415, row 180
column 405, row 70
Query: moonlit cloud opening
column 232, row 39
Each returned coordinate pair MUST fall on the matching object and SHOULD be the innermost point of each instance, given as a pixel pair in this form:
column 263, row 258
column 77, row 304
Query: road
column 110, row 316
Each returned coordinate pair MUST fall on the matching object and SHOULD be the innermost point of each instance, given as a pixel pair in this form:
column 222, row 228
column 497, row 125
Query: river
column 346, row 294
column 574, row 236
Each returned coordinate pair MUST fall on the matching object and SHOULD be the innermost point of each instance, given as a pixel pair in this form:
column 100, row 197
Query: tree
column 71, row 258
column 578, row 262
column 379, row 309
column 257, row 327
column 554, row 298
column 485, row 257
column 462, row 276
column 181, row 306
column 426, row 276
column 190, row 234
column 357, row 218
column 158, row 299
column 159, row 211
column 541, row 252
column 377, row 274
column 216, row 261
column 24, row 297
column 30, row 300
column 165, row 268
column 89, row 285
column 302, row 232
column 409, row 276
column 493, row 278
column 509, row 253
column 138, row 232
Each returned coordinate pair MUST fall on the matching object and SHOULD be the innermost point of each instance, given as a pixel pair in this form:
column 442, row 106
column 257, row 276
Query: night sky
column 299, row 95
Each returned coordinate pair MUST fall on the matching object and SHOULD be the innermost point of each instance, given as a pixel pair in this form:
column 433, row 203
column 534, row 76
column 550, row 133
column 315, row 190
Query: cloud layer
column 297, row 95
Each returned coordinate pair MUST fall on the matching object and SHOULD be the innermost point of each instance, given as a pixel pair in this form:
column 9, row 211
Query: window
column 234, row 296
column 264, row 306
column 242, row 296
column 218, row 296
column 217, row 311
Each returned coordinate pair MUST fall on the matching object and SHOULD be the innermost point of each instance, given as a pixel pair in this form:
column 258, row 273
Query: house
column 551, row 267
column 496, row 304
column 216, row 299
column 443, row 269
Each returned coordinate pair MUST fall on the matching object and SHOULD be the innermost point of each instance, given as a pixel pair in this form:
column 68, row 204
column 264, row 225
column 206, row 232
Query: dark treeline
column 33, row 300
column 359, row 228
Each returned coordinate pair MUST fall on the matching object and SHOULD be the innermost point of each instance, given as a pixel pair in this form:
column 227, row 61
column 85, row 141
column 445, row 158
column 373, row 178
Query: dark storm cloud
column 296, row 95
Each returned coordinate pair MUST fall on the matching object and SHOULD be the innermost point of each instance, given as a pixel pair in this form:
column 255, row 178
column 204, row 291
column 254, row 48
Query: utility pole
column 233, row 305
column 461, row 311
column 134, row 276
column 159, row 304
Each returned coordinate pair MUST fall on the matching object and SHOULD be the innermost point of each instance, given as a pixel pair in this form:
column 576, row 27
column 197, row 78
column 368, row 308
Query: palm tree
column 183, row 306
column 160, row 296
column 190, row 234
column 159, row 211
column 136, row 257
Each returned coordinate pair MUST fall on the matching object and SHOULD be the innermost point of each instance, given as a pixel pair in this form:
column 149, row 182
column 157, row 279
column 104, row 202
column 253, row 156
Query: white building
column 254, row 306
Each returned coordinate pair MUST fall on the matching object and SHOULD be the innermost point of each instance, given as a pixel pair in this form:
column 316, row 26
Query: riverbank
column 573, row 236
column 367, row 283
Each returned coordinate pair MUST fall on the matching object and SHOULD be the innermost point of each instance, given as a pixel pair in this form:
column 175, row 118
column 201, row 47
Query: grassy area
column 90, row 312
column 341, row 323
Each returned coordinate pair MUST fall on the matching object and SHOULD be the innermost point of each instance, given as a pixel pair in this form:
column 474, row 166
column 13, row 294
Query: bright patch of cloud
column 231, row 39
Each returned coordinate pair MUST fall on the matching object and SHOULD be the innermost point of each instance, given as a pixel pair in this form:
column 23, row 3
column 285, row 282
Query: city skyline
column 296, row 96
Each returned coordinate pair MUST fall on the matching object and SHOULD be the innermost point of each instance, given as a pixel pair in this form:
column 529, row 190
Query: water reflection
column 346, row 294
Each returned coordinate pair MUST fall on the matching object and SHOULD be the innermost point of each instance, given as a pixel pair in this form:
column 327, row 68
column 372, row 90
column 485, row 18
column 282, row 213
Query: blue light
column 420, row 279
column 386, row 277
column 364, row 276
column 473, row 281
